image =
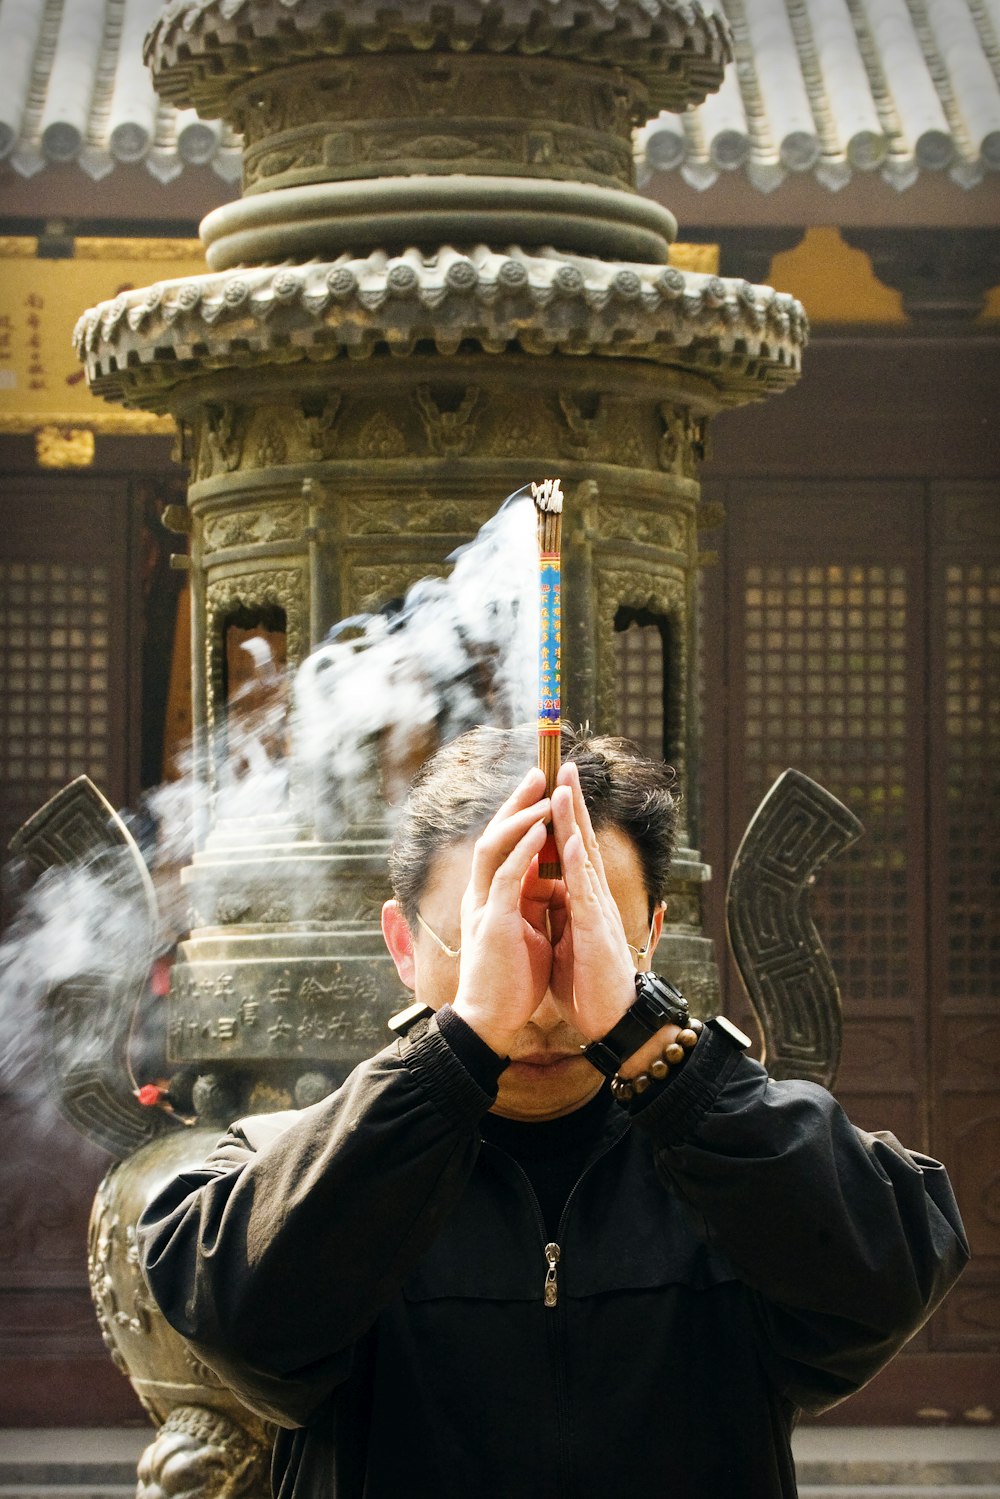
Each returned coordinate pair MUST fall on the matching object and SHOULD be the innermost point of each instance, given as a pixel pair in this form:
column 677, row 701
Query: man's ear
column 657, row 931
column 399, row 941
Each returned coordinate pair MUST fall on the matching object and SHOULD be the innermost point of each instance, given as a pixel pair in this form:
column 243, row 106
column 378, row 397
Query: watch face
column 663, row 1000
column 657, row 1003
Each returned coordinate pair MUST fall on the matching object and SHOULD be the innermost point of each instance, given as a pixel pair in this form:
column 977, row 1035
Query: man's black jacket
column 369, row 1274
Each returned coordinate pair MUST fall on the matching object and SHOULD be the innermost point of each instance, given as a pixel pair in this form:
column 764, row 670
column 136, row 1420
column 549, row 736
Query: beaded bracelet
column 672, row 1057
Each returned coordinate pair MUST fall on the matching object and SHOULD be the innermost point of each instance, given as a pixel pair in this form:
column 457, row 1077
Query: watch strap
column 657, row 1003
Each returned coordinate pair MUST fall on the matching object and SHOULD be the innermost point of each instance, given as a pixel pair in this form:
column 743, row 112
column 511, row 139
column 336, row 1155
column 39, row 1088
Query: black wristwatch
column 657, row 1003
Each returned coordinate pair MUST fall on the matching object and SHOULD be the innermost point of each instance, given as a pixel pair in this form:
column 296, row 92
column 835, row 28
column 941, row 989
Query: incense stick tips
column 548, row 495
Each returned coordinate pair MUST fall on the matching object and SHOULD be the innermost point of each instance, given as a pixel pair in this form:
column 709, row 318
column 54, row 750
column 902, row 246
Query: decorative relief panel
column 440, row 88
column 971, row 1124
column 249, row 896
column 425, row 515
column 451, row 431
column 269, row 445
column 972, row 1056
column 478, row 113
column 699, row 981
column 228, row 438
column 381, row 436
column 321, row 153
column 683, row 444
column 879, row 1054
column 218, row 434
column 524, row 433
column 281, row 522
column 631, row 447
column 665, row 529
column 586, row 425
column 598, row 428
column 969, row 1318
column 369, row 587
column 319, row 422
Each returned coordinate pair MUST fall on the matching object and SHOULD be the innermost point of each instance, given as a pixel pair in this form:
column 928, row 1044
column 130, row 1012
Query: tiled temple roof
column 828, row 88
column 74, row 87
column 835, row 87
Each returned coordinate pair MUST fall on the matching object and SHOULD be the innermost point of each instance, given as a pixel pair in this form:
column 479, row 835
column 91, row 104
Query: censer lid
column 199, row 50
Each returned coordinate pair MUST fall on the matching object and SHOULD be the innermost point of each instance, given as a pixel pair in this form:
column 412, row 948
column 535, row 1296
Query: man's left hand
column 593, row 972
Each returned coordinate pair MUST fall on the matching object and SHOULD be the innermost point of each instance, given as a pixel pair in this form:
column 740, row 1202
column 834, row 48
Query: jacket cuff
column 472, row 1051
column 443, row 1075
column 672, row 1110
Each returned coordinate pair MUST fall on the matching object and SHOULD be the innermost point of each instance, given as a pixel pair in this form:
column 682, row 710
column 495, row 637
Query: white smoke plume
column 383, row 690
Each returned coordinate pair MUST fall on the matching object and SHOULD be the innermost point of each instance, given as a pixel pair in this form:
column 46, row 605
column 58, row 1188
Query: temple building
column 849, row 614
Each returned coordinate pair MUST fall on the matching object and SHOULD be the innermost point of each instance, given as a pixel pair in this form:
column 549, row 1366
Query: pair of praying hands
column 524, row 937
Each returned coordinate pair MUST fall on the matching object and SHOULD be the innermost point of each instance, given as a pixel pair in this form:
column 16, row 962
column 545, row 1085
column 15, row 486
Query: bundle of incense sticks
column 548, row 498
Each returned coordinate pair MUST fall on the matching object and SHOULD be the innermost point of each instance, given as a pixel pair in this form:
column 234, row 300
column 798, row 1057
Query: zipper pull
column 551, row 1292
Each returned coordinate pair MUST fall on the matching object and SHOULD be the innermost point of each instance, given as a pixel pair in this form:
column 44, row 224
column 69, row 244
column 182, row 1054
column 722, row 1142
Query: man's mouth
column 545, row 1060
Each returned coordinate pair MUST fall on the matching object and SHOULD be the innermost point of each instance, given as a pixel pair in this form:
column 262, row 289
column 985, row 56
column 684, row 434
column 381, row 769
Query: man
column 479, row 1270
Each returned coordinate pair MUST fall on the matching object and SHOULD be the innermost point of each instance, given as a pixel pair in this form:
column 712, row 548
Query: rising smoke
column 339, row 741
column 386, row 689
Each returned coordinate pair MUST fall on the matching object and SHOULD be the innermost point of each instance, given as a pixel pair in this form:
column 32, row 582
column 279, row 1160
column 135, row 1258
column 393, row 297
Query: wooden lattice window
column 54, row 678
column 972, row 738
column 825, row 684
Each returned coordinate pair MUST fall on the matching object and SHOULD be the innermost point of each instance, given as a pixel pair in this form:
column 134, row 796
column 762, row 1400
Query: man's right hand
column 506, row 959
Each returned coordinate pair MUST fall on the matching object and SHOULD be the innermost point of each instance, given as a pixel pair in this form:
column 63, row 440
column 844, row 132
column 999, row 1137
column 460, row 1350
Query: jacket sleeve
column 845, row 1241
column 275, row 1257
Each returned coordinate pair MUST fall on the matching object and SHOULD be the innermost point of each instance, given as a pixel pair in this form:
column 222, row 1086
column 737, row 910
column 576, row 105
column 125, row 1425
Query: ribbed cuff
column 673, row 1109
column 441, row 1071
column 470, row 1048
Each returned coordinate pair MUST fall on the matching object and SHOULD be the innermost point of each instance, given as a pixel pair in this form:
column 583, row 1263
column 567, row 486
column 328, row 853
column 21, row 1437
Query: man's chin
column 544, row 1085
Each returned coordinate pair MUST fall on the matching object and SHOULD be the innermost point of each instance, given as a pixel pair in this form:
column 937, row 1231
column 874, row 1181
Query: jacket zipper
column 553, row 1251
column 550, row 1293
column 550, row 1299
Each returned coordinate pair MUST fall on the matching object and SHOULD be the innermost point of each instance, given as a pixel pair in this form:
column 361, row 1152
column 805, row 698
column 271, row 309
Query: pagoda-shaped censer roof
column 745, row 340
column 200, row 48
column 430, row 177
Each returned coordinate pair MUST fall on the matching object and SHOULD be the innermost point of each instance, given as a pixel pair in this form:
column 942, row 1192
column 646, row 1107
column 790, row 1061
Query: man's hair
column 458, row 790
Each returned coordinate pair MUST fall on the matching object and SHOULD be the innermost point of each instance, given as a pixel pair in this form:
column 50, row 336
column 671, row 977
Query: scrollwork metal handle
column 784, row 966
column 90, row 1013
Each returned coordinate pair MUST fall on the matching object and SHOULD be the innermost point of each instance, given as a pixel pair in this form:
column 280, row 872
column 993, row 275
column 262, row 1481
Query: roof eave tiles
column 827, row 88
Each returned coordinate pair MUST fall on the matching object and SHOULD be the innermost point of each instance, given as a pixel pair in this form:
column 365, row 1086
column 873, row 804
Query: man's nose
column 547, row 1016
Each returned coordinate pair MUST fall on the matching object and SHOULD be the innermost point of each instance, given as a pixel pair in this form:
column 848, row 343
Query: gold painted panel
column 41, row 379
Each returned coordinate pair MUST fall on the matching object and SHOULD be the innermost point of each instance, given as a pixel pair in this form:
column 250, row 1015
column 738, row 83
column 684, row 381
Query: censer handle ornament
column 90, row 1014
column 784, row 966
